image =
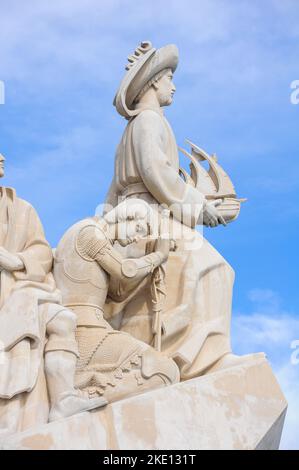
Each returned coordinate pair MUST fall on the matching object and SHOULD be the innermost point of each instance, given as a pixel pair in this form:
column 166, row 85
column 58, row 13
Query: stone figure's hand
column 211, row 216
column 10, row 261
column 163, row 247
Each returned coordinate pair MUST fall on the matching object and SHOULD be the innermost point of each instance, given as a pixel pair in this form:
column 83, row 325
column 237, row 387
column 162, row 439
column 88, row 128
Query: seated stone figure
column 111, row 363
column 33, row 324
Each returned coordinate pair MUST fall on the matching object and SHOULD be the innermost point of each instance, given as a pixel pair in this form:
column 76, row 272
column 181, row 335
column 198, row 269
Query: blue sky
column 61, row 63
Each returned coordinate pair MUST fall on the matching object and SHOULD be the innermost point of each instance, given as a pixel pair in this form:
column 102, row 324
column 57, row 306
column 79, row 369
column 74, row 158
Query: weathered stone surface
column 237, row 408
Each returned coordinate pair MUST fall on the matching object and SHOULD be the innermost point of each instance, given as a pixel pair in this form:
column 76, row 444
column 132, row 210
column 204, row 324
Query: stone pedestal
column 237, row 408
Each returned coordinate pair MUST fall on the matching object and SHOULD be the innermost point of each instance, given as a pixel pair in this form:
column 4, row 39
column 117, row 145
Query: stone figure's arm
column 36, row 255
column 127, row 271
column 159, row 176
column 134, row 269
column 10, row 261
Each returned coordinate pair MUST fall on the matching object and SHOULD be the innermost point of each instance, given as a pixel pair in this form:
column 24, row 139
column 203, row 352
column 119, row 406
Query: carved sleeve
column 36, row 254
column 127, row 274
column 134, row 269
column 93, row 244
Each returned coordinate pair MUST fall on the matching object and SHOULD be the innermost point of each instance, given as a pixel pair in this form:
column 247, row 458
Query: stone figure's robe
column 29, row 299
column 196, row 315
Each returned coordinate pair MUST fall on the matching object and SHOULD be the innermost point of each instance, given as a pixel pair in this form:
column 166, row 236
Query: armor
column 111, row 363
column 86, row 259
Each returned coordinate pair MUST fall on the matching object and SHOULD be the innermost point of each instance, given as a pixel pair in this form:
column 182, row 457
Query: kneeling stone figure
column 112, row 363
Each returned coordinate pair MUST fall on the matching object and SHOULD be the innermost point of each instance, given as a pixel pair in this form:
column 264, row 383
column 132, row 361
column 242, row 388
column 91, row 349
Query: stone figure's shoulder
column 82, row 224
column 93, row 227
column 148, row 119
column 26, row 205
column 73, row 232
column 21, row 204
column 93, row 238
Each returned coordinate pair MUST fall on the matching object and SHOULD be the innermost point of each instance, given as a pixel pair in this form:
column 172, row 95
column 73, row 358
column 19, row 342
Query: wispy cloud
column 61, row 181
column 79, row 37
column 270, row 329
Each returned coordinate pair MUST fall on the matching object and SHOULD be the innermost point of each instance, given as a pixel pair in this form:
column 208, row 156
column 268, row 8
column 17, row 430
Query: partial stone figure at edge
column 37, row 334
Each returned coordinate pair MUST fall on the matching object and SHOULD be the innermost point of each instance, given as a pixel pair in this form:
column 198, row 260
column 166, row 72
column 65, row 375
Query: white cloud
column 61, row 181
column 288, row 378
column 266, row 298
column 233, row 61
column 272, row 331
column 88, row 38
column 51, row 48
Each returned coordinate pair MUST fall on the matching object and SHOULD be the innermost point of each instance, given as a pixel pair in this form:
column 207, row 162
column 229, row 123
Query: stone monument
column 147, row 298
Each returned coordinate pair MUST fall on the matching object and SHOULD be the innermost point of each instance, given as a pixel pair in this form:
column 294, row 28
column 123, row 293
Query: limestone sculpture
column 151, row 299
column 197, row 308
column 112, row 363
column 32, row 321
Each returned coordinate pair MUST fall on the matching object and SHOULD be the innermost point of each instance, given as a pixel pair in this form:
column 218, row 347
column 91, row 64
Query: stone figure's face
column 165, row 89
column 2, row 160
column 131, row 231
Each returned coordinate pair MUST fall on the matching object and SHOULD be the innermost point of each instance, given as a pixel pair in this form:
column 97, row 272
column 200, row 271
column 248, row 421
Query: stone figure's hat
column 143, row 65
